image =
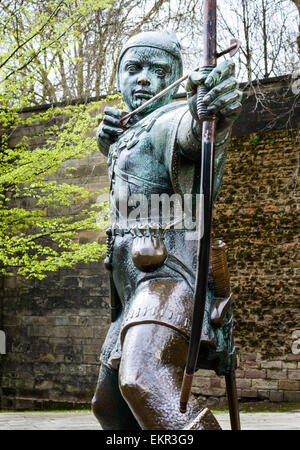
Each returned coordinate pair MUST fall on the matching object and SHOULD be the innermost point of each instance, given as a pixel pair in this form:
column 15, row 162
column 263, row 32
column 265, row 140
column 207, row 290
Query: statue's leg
column 150, row 376
column 108, row 405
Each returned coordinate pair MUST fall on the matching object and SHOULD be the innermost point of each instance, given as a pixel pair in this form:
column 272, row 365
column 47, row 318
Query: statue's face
column 144, row 72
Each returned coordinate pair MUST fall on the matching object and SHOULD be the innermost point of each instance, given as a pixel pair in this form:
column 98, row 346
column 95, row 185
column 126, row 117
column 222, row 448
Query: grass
column 47, row 411
column 262, row 407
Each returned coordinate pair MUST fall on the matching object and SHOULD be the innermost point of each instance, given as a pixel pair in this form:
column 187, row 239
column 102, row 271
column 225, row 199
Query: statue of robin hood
column 152, row 254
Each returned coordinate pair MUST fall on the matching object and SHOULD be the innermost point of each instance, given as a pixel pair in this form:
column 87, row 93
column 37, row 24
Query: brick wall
column 55, row 327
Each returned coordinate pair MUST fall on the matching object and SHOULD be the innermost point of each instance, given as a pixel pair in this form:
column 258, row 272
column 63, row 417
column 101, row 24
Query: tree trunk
column 246, row 27
column 265, row 38
column 297, row 3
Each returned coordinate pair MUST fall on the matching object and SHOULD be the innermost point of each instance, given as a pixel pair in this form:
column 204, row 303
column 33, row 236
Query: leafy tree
column 76, row 57
column 60, row 50
column 268, row 32
column 297, row 3
column 37, row 231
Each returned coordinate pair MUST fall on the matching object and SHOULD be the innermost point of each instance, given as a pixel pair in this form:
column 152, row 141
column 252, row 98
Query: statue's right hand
column 110, row 128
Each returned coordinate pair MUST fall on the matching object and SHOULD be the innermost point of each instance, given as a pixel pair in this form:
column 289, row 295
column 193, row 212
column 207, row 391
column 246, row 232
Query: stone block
column 293, row 357
column 243, row 383
column 271, row 364
column 291, row 396
column 275, row 374
column 99, row 332
column 23, row 404
column 99, row 170
column 80, row 332
column 294, row 374
column 289, row 364
column 70, row 282
column 252, row 393
column 276, row 396
column 196, row 390
column 7, row 403
column 24, row 383
column 215, row 382
column 38, row 331
column 61, row 321
column 201, row 382
column 89, row 281
column 249, row 364
column 59, row 331
column 60, row 395
column 203, row 373
column 239, row 373
column 222, row 382
column 216, row 392
column 255, row 373
column 263, row 394
column 249, row 356
column 42, row 385
column 71, row 369
column 91, row 359
column 289, row 385
column 7, row 382
column 51, row 358
column 264, row 384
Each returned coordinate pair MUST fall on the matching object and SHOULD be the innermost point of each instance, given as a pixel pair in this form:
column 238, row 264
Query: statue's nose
column 143, row 78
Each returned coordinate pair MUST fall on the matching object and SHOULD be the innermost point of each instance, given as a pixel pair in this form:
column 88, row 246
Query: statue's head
column 149, row 62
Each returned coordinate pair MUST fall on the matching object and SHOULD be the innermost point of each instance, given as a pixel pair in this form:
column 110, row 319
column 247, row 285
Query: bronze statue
column 151, row 254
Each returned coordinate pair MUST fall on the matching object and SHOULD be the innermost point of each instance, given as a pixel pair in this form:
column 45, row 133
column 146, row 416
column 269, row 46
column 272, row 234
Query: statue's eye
column 160, row 72
column 132, row 68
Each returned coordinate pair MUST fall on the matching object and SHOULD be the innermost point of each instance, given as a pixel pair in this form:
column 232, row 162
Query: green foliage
column 40, row 218
column 38, row 232
column 31, row 31
column 254, row 138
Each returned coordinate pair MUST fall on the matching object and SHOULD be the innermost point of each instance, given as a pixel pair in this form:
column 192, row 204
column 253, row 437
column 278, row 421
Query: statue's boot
column 204, row 421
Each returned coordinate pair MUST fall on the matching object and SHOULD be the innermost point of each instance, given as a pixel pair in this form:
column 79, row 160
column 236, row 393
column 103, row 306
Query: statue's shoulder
column 163, row 115
column 176, row 105
column 163, row 122
column 154, row 127
column 171, row 111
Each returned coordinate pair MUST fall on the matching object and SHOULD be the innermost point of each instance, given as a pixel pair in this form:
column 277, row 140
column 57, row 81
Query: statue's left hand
column 223, row 97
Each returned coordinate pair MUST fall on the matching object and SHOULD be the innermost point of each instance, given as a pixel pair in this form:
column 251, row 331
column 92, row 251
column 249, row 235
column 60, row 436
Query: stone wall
column 258, row 218
column 55, row 327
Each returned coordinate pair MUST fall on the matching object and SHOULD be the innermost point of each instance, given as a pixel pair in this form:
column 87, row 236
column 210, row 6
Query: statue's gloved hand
column 223, row 97
column 109, row 129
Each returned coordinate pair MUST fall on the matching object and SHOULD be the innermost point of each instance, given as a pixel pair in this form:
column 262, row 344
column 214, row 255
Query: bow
column 206, row 201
